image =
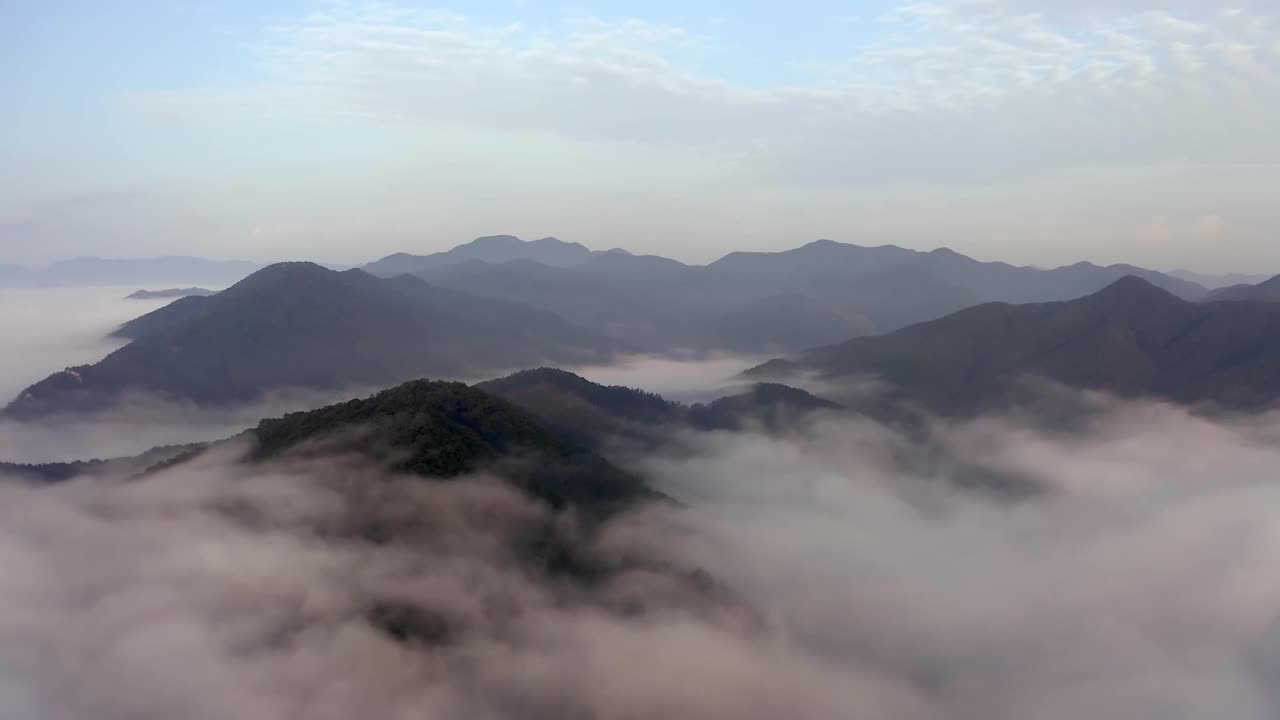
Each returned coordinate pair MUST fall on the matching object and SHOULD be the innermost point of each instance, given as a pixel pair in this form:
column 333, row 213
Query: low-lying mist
column 55, row 328
column 693, row 378
column 1136, row 585
column 140, row 422
column 48, row 329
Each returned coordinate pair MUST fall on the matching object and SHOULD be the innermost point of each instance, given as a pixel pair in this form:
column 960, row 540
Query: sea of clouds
column 1134, row 583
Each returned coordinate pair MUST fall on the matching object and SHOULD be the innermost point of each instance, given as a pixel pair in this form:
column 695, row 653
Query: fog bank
column 1139, row 585
column 692, row 378
column 49, row 329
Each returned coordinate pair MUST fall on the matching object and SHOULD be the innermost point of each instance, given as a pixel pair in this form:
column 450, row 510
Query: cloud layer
column 54, row 328
column 1137, row 585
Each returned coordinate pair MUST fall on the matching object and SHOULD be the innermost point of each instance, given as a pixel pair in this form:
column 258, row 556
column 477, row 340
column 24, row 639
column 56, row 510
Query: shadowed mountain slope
column 785, row 301
column 443, row 429
column 492, row 249
column 300, row 325
column 1131, row 339
column 596, row 413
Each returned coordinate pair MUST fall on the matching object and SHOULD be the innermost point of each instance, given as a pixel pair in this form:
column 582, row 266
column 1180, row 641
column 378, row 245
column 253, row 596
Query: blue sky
column 1038, row 131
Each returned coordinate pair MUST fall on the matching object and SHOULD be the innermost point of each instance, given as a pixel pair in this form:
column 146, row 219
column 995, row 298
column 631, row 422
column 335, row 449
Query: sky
column 1033, row 131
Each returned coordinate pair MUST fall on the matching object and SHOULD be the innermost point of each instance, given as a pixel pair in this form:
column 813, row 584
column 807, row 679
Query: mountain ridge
column 441, row 429
column 596, row 414
column 1130, row 339
column 725, row 305
column 168, row 293
column 1267, row 291
column 302, row 325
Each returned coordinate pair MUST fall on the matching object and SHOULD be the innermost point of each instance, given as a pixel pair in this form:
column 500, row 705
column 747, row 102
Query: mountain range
column 817, row 294
column 304, row 326
column 549, row 433
column 548, row 251
column 500, row 304
column 541, row 430
column 1130, row 339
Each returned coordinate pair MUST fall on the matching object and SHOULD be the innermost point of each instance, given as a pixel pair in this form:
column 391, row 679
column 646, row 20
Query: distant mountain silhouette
column 1267, row 291
column 619, row 261
column 629, row 301
column 771, row 406
column 300, row 325
column 169, row 293
column 754, row 301
column 493, row 249
column 790, row 321
column 139, row 271
column 980, row 280
column 642, row 318
column 818, row 256
column 1131, row 338
column 1217, row 281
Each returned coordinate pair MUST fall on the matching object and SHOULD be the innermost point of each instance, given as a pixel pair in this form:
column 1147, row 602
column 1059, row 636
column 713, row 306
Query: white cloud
column 1140, row 584
column 951, row 87
column 624, row 131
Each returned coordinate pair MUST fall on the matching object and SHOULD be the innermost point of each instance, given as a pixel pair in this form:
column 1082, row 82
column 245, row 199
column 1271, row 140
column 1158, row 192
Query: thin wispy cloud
column 1034, row 130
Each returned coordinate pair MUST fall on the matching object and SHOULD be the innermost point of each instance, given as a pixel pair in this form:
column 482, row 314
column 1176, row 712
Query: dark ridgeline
column 169, row 294
column 430, row 429
column 494, row 248
column 546, row 432
column 1130, row 339
column 596, row 414
column 174, row 314
column 300, row 325
column 444, row 429
column 539, row 430
column 377, row 457
column 120, row 467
